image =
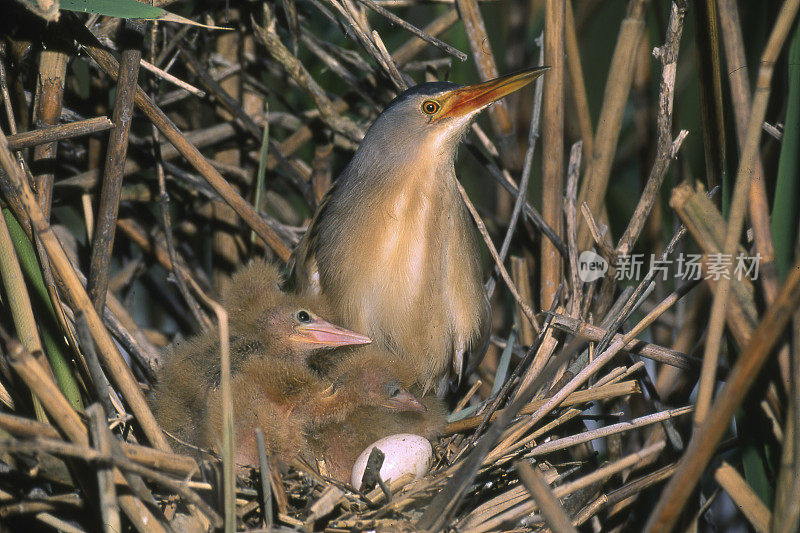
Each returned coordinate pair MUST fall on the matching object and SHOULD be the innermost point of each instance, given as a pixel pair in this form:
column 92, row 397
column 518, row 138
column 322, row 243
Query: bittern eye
column 303, row 316
column 430, row 107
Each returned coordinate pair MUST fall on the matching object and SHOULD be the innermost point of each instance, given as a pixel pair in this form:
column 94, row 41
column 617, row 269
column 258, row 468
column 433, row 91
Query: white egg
column 405, row 454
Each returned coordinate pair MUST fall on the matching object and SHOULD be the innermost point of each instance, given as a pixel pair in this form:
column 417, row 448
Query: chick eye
column 430, row 107
column 393, row 389
column 303, row 316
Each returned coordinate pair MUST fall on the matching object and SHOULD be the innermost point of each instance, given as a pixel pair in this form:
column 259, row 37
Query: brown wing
column 303, row 270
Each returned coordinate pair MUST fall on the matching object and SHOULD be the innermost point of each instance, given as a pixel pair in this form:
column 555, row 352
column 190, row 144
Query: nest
column 581, row 414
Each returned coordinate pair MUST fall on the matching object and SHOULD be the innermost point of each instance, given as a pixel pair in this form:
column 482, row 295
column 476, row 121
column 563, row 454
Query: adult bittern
column 392, row 246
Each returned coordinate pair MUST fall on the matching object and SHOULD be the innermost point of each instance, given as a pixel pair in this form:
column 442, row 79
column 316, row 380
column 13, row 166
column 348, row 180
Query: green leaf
column 124, row 9
column 128, row 9
column 787, row 189
column 505, row 361
column 52, row 341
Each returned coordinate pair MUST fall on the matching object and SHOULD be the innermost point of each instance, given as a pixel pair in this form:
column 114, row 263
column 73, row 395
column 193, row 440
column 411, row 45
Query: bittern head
column 431, row 118
column 296, row 332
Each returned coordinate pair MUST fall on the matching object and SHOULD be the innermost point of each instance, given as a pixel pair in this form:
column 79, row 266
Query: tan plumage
column 392, row 247
column 276, row 342
column 340, row 443
column 288, row 401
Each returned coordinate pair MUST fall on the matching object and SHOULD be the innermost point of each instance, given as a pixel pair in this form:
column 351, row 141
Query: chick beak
column 405, row 401
column 325, row 334
column 464, row 101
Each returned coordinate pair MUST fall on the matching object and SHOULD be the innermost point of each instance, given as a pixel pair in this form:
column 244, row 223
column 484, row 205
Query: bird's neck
column 425, row 170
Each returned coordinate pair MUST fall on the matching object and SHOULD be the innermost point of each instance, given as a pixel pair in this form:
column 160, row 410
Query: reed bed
column 640, row 386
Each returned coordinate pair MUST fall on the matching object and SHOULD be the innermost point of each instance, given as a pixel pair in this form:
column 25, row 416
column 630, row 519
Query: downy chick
column 288, row 401
column 340, row 443
column 264, row 323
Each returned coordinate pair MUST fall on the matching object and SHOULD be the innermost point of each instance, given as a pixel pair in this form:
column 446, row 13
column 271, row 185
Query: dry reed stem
column 615, row 98
column 628, row 303
column 520, row 273
column 448, row 499
column 786, row 511
column 138, row 235
column 568, row 488
column 116, row 154
column 480, row 45
column 746, row 500
column 612, row 429
column 706, row 225
column 389, row 62
column 57, row 523
column 76, row 295
column 61, row 132
column 69, row 422
column 502, row 502
column 787, row 506
column 300, row 75
column 603, row 358
column 739, row 202
column 527, row 311
column 150, row 457
column 666, row 149
column 359, row 25
column 577, row 83
column 413, row 46
column 576, row 398
column 468, row 396
column 544, row 352
column 503, row 177
column 521, row 199
column 623, row 493
column 758, row 203
column 444, row 47
column 109, row 507
column 86, row 453
column 548, row 505
column 513, row 440
column 110, row 66
column 739, row 381
column 166, row 76
column 201, row 138
column 644, row 349
column 52, row 503
column 739, row 82
column 264, row 477
column 511, row 380
column 710, row 78
column 552, row 147
column 571, row 215
column 50, row 93
column 99, row 382
column 122, row 325
column 163, row 202
column 228, row 464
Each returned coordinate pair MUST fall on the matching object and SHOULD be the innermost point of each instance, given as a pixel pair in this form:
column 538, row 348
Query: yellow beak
column 464, row 100
column 325, row 334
